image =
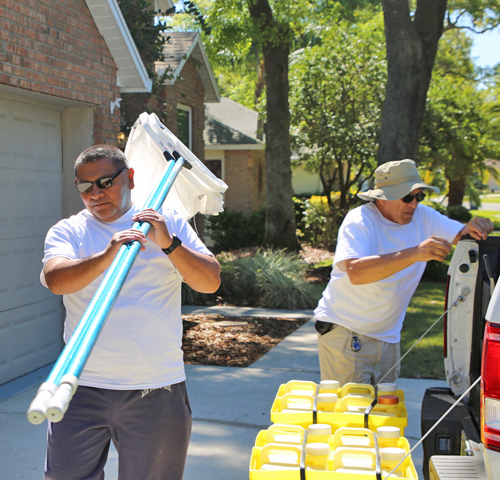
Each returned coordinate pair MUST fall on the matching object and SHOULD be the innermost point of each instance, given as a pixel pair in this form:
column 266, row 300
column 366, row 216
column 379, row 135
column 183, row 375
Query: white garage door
column 30, row 203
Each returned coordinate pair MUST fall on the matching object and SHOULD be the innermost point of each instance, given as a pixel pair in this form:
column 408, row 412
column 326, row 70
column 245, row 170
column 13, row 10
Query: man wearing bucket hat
column 382, row 250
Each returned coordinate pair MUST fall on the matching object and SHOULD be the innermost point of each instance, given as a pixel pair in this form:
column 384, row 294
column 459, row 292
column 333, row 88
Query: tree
column 264, row 30
column 457, row 134
column 276, row 36
column 337, row 95
column 454, row 134
column 412, row 37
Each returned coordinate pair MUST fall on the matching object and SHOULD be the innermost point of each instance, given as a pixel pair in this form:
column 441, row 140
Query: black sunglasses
column 104, row 182
column 409, row 198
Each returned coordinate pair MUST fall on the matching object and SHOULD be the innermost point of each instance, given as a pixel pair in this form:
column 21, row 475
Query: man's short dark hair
column 97, row 152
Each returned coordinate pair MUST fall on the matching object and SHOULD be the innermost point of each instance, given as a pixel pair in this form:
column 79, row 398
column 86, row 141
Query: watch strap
column 175, row 243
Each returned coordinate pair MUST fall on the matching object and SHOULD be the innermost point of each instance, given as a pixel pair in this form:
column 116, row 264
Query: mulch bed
column 239, row 341
column 232, row 341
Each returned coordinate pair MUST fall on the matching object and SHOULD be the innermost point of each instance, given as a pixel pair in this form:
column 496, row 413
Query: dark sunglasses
column 409, row 198
column 104, row 182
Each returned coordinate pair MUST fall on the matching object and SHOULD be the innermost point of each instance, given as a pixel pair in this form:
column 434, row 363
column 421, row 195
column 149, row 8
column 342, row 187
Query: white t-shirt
column 378, row 309
column 139, row 346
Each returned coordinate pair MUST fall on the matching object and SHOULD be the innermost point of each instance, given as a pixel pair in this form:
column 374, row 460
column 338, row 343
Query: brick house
column 63, row 66
column 235, row 150
column 180, row 103
column 192, row 84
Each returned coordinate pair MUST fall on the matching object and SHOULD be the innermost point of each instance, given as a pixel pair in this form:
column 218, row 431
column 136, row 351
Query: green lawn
column 426, row 359
column 493, row 215
column 491, row 198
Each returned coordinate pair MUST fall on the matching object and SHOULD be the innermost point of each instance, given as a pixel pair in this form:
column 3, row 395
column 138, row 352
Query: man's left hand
column 478, row 228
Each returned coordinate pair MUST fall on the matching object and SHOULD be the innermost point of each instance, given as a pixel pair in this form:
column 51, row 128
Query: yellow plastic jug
column 386, row 405
column 317, row 456
column 387, row 389
column 278, row 433
column 390, row 457
column 291, row 402
column 364, row 389
column 329, row 386
column 298, row 387
column 353, row 437
column 319, row 433
column 274, row 456
column 354, row 403
column 390, row 389
column 354, row 460
column 388, row 436
column 327, row 402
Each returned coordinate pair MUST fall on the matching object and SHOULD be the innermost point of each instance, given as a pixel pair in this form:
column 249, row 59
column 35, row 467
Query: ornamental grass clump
column 272, row 279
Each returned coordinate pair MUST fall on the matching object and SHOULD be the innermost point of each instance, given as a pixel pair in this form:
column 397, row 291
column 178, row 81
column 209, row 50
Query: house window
column 215, row 166
column 184, row 125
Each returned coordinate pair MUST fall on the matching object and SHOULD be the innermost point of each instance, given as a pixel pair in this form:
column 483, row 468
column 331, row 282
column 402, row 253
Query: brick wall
column 187, row 90
column 245, row 177
column 53, row 47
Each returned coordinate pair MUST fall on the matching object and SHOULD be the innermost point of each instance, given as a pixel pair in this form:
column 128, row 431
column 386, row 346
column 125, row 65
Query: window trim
column 188, row 109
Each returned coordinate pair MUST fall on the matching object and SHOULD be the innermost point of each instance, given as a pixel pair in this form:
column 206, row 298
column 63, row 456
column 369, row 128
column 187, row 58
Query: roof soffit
column 131, row 75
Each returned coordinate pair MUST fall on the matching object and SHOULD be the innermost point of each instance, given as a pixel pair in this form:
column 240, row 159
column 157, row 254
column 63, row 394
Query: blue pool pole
column 55, row 393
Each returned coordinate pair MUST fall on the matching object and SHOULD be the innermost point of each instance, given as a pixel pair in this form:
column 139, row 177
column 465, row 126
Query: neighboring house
column 63, row 67
column 180, row 103
column 235, row 151
column 304, row 182
column 492, row 183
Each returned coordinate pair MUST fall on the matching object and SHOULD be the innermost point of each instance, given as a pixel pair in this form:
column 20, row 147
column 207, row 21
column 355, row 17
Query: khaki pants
column 339, row 362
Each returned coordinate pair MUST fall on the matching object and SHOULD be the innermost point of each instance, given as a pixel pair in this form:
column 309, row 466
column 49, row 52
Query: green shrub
column 231, row 230
column 436, row 206
column 459, row 212
column 316, row 223
column 268, row 279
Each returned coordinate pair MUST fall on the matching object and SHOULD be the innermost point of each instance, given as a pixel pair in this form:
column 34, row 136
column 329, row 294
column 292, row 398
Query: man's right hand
column 433, row 248
column 64, row 276
column 119, row 239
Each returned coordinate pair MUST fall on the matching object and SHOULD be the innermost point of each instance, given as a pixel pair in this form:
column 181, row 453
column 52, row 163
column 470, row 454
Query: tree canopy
column 338, row 90
column 456, row 134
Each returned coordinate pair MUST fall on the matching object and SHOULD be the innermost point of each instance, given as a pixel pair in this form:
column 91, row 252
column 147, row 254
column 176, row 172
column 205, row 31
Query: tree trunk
column 411, row 44
column 280, row 217
column 456, row 191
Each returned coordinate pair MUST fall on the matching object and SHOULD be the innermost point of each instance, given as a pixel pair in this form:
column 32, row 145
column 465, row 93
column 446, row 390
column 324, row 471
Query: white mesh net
column 195, row 190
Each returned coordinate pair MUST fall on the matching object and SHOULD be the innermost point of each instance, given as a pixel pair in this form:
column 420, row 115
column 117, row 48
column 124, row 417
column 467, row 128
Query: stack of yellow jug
column 303, row 403
column 319, row 434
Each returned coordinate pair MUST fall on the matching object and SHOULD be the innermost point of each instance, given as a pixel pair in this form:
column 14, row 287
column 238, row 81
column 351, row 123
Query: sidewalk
column 230, row 405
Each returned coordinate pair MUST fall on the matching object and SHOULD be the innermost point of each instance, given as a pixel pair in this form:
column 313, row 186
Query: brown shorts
column 338, row 361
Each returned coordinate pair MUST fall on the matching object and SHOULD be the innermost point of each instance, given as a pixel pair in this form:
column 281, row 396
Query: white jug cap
column 389, row 432
column 318, row 449
column 327, row 397
column 319, row 429
column 387, row 387
column 329, row 384
column 392, row 454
